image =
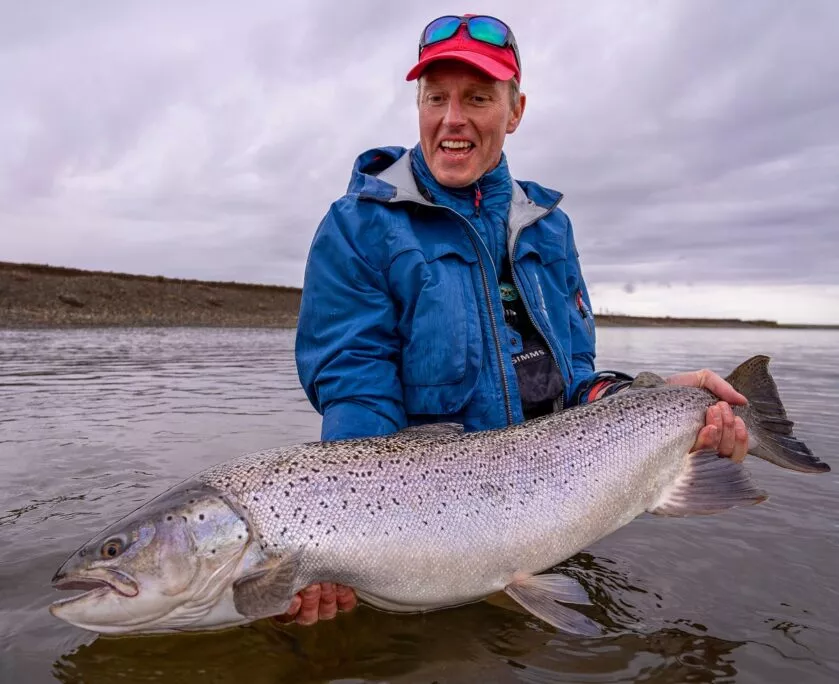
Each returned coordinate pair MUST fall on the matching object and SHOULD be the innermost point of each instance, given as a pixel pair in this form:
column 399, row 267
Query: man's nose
column 454, row 114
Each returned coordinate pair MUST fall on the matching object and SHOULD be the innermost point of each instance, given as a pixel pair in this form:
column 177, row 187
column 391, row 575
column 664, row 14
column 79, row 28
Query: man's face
column 464, row 116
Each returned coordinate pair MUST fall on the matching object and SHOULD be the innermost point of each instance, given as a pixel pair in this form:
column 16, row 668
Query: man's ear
column 517, row 114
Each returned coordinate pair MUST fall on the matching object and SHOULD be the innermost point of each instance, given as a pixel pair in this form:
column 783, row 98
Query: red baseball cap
column 497, row 62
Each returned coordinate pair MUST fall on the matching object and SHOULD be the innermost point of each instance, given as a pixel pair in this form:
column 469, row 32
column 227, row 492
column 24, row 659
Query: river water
column 94, row 422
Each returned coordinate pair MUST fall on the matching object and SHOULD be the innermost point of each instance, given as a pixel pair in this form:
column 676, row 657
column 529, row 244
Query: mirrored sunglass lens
column 441, row 29
column 488, row 30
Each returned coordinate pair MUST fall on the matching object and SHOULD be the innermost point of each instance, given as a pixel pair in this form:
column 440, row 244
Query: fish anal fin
column 268, row 590
column 539, row 595
column 710, row 484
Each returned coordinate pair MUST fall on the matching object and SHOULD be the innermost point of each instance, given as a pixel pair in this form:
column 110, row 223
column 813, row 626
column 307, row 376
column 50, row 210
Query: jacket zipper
column 471, row 229
column 527, row 306
column 500, row 357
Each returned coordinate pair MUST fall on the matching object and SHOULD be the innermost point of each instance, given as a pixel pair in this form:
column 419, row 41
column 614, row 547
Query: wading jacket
column 401, row 318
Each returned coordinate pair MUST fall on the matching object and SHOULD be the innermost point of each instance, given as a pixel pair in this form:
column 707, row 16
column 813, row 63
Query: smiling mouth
column 460, row 148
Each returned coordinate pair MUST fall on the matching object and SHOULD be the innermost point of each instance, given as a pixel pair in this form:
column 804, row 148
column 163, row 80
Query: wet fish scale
column 414, row 518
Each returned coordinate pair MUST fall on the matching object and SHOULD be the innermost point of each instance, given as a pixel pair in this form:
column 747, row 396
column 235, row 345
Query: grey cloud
column 694, row 141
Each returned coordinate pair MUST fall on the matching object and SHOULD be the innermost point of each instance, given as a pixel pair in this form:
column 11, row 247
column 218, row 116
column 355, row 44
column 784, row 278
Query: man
column 440, row 289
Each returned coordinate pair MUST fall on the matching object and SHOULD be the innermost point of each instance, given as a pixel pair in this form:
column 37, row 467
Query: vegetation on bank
column 33, row 295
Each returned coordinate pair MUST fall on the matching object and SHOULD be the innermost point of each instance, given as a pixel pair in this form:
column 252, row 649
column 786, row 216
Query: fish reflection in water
column 493, row 641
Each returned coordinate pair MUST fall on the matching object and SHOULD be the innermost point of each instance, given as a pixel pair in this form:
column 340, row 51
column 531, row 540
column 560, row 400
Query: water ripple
column 94, row 422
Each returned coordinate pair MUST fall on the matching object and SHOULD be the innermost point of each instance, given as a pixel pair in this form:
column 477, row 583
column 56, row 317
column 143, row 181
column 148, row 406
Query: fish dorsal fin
column 433, row 430
column 646, row 380
column 269, row 589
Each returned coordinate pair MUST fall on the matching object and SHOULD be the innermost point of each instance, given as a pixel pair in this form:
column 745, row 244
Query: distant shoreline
column 40, row 296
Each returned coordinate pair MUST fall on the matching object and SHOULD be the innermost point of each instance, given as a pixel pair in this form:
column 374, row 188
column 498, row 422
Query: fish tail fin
column 770, row 430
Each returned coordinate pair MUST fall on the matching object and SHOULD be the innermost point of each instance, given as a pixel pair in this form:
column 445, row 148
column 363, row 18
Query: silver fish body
column 433, row 517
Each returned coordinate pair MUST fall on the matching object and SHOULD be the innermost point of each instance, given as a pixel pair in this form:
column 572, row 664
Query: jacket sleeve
column 347, row 348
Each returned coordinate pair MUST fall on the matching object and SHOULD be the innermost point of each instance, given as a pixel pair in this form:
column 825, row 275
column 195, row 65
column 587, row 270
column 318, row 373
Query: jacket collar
column 523, row 210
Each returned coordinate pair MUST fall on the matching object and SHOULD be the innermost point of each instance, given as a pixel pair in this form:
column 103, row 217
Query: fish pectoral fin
column 711, row 483
column 268, row 590
column 539, row 595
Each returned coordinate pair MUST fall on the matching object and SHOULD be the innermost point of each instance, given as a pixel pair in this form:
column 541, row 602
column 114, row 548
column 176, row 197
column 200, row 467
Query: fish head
column 161, row 568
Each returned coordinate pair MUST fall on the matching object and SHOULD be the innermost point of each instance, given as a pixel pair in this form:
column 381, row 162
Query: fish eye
column 112, row 548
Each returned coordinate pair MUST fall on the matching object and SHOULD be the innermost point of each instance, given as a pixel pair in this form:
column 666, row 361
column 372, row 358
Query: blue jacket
column 401, row 320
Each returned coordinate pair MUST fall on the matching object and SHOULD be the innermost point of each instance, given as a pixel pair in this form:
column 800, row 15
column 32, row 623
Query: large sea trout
column 427, row 518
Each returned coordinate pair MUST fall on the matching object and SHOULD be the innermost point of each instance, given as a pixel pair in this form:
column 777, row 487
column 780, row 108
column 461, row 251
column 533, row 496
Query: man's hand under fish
column 723, row 432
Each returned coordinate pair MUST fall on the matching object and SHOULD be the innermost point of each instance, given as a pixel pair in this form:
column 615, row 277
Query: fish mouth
column 94, row 586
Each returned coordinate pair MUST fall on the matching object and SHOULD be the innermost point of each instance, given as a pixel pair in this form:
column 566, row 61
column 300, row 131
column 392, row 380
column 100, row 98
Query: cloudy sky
column 696, row 142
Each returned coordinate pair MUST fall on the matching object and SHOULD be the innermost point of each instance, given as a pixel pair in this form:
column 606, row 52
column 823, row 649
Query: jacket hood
column 364, row 179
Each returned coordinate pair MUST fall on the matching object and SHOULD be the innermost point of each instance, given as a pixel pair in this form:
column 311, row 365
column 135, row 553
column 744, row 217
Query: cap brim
column 488, row 65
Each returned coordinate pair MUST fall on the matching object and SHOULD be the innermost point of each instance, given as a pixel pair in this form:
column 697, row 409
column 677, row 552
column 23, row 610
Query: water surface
column 94, row 422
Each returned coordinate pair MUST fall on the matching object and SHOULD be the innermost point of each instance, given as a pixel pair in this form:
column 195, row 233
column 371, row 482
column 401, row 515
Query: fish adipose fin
column 710, row 483
column 539, row 595
column 769, row 427
column 645, row 380
column 269, row 590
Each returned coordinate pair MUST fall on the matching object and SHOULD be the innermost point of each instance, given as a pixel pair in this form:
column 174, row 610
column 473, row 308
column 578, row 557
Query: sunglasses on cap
column 482, row 28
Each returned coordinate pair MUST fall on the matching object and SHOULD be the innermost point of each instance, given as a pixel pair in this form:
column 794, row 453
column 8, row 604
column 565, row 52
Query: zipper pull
column 478, row 198
column 581, row 305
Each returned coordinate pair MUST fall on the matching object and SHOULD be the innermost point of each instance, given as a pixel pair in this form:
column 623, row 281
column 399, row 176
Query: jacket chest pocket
column 438, row 315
